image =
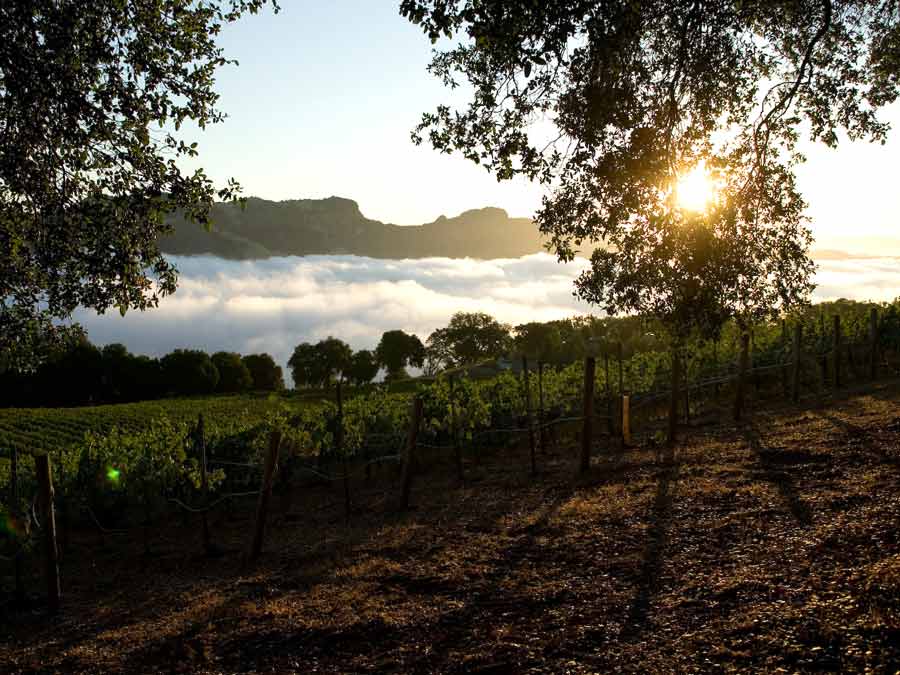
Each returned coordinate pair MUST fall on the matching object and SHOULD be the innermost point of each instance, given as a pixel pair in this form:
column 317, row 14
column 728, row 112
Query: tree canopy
column 234, row 376
column 266, row 374
column 317, row 365
column 397, row 350
column 540, row 341
column 363, row 367
column 470, row 337
column 93, row 96
column 189, row 372
column 639, row 93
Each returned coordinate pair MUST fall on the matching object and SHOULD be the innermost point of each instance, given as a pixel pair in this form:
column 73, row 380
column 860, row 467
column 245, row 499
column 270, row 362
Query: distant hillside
column 335, row 225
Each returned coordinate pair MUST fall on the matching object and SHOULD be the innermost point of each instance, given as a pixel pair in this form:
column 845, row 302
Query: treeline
column 84, row 374
column 470, row 338
column 476, row 338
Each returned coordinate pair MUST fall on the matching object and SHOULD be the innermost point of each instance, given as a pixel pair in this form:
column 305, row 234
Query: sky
column 326, row 95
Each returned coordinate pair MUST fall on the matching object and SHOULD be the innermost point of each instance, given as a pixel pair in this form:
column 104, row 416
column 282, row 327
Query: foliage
column 234, row 376
column 266, row 374
column 539, row 341
column 396, row 350
column 363, row 367
column 92, row 99
column 320, row 364
column 639, row 95
column 189, row 372
column 470, row 337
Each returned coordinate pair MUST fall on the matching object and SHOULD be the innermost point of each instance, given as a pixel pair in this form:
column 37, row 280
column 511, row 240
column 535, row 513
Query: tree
column 71, row 375
column 363, row 367
column 539, row 341
column 397, row 350
column 641, row 95
column 335, row 356
column 189, row 372
column 144, row 379
column 265, row 373
column 115, row 358
column 470, row 337
column 307, row 367
column 92, row 100
column 234, row 376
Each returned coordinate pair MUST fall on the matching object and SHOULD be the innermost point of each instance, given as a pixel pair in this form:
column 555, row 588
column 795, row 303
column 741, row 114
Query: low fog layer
column 271, row 305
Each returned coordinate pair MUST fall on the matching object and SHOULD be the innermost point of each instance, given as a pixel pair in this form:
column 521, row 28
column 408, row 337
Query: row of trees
column 82, row 374
column 469, row 338
column 318, row 365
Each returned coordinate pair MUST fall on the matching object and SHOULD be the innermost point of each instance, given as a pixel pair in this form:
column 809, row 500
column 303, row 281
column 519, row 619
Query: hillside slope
column 335, row 225
column 768, row 548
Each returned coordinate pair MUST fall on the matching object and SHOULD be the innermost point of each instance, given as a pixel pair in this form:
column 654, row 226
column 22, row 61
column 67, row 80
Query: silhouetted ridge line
column 336, row 226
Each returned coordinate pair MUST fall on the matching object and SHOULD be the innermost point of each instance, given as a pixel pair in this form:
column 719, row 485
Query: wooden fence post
column 795, row 374
column 621, row 377
column 409, row 457
column 716, row 373
column 836, row 349
column 873, row 343
column 200, row 440
column 743, row 363
column 542, row 415
column 784, row 367
column 673, row 398
column 339, row 445
column 14, row 512
column 265, row 494
column 587, row 434
column 51, row 553
column 454, row 422
column 610, row 422
column 531, row 442
column 687, row 394
column 626, row 419
column 824, row 361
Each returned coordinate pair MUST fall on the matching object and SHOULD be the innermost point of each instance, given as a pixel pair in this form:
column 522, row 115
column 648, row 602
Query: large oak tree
column 92, row 98
column 636, row 94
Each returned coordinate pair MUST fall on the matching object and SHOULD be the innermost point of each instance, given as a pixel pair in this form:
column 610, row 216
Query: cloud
column 272, row 305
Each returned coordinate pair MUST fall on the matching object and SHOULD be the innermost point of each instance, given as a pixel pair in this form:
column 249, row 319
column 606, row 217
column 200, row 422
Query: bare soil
column 772, row 547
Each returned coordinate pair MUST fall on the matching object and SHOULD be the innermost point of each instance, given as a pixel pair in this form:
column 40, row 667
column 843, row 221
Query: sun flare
column 696, row 190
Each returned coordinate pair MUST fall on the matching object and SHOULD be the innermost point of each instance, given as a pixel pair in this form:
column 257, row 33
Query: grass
column 768, row 547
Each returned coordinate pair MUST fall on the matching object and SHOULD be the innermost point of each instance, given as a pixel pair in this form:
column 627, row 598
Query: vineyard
column 126, row 467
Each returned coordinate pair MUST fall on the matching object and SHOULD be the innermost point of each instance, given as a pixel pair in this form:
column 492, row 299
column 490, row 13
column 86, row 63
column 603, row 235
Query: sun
column 696, row 189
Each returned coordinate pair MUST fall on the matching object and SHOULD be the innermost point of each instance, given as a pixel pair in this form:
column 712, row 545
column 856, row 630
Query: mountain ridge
column 335, row 225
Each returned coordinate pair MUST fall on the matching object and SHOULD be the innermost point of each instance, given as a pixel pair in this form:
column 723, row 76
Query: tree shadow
column 379, row 644
column 652, row 558
column 859, row 435
column 774, row 469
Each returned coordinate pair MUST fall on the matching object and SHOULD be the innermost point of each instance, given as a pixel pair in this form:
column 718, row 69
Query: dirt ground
column 770, row 547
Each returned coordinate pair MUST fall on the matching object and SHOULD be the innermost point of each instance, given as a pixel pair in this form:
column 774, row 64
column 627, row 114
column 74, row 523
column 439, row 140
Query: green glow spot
column 112, row 474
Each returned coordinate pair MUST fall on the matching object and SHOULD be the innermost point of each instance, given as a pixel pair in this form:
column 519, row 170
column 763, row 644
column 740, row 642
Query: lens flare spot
column 113, row 475
column 10, row 526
